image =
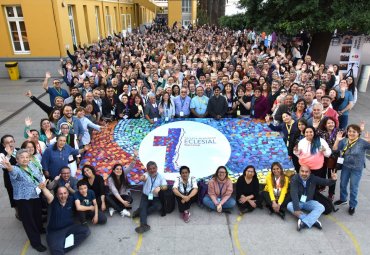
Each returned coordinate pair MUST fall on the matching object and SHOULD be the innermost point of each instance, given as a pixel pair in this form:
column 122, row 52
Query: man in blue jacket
column 302, row 191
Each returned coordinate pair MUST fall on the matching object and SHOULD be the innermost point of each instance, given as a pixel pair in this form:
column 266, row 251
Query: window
column 72, row 24
column 108, row 21
column 97, row 21
column 186, row 6
column 17, row 29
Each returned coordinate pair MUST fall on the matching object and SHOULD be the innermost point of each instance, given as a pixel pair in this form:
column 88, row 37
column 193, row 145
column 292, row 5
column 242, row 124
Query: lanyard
column 182, row 103
column 277, row 181
column 37, row 164
column 38, row 148
column 333, row 133
column 289, row 129
column 201, row 100
column 185, row 186
column 220, row 188
column 59, row 92
column 349, row 146
column 70, row 123
column 152, row 182
column 30, row 174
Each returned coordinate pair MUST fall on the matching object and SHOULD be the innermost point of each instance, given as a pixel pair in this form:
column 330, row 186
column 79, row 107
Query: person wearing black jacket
column 302, row 191
column 7, row 149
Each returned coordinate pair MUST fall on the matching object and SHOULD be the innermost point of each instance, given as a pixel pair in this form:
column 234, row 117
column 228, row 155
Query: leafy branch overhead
column 290, row 16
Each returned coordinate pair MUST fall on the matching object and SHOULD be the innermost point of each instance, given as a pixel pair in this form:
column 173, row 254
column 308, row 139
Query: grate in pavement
column 34, row 80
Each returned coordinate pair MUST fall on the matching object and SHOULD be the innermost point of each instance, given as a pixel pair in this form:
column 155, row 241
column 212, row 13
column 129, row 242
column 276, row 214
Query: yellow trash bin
column 13, row 70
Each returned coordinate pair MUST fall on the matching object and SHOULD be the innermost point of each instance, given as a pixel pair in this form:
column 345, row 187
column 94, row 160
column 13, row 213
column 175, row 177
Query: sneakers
column 124, row 213
column 142, row 228
column 318, row 225
column 301, row 225
column 111, row 211
column 351, row 211
column 340, row 202
column 186, row 216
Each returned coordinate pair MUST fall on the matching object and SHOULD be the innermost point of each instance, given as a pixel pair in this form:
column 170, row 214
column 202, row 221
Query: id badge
column 155, row 119
column 181, row 114
column 219, row 199
column 38, row 190
column 230, row 105
column 166, row 119
column 238, row 112
column 112, row 112
column 303, row 199
column 150, row 196
column 340, row 160
column 125, row 117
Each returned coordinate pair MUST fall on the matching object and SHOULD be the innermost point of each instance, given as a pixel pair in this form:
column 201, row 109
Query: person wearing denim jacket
column 353, row 151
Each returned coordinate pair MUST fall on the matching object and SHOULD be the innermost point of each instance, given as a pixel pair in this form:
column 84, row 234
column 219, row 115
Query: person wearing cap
column 54, row 91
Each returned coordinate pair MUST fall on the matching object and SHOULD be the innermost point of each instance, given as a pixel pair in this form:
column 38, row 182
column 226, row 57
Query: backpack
column 326, row 202
column 202, row 191
column 167, row 198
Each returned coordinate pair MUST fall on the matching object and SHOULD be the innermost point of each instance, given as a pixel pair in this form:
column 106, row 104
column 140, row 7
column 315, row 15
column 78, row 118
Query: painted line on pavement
column 348, row 232
column 25, row 247
column 139, row 241
column 3, row 121
column 236, row 235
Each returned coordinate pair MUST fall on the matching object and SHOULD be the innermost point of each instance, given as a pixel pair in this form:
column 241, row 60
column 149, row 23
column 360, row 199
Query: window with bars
column 17, row 29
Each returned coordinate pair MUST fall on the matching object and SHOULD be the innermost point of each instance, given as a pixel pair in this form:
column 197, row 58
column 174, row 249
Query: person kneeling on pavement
column 150, row 202
column 62, row 234
column 302, row 191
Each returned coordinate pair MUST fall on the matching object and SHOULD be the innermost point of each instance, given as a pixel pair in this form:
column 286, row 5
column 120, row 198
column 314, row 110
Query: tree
column 318, row 17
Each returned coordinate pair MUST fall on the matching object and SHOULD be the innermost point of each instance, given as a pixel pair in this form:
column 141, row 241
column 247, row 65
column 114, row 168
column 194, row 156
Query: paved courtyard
column 207, row 233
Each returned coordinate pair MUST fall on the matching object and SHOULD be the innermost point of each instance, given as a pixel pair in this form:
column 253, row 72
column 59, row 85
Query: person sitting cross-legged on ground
column 220, row 189
column 119, row 198
column 86, row 205
column 276, row 194
column 247, row 191
column 185, row 189
column 61, row 224
column 150, row 202
column 302, row 191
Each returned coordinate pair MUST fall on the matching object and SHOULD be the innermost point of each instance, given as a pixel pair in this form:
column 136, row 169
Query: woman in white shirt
column 311, row 151
column 185, row 189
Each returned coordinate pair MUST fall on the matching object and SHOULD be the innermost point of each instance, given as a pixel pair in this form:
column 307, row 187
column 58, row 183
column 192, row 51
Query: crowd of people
column 201, row 72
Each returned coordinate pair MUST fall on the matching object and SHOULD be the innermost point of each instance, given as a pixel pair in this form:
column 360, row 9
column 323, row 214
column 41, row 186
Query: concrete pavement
column 206, row 233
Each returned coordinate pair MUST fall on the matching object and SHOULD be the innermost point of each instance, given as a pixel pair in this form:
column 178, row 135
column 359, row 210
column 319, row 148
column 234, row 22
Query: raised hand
column 29, row 93
column 340, row 136
column 60, row 71
column 47, row 75
column 28, row 121
column 362, row 125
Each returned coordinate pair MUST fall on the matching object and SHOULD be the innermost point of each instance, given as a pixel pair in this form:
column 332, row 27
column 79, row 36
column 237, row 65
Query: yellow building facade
column 41, row 30
column 184, row 12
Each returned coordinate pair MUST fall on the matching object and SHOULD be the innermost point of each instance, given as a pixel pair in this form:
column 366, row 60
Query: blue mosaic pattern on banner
column 252, row 143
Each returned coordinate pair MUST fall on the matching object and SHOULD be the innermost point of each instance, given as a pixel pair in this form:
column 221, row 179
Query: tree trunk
column 319, row 46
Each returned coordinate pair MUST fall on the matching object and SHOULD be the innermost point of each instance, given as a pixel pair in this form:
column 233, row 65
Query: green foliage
column 202, row 17
column 290, row 16
column 236, row 22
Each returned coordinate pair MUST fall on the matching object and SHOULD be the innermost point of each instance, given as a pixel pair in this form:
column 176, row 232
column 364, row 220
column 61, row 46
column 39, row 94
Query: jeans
column 354, row 177
column 343, row 121
column 56, row 239
column 229, row 204
column 314, row 208
column 148, row 206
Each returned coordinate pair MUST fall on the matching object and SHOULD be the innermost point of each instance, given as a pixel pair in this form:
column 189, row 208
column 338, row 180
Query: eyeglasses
column 283, row 91
column 222, row 172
